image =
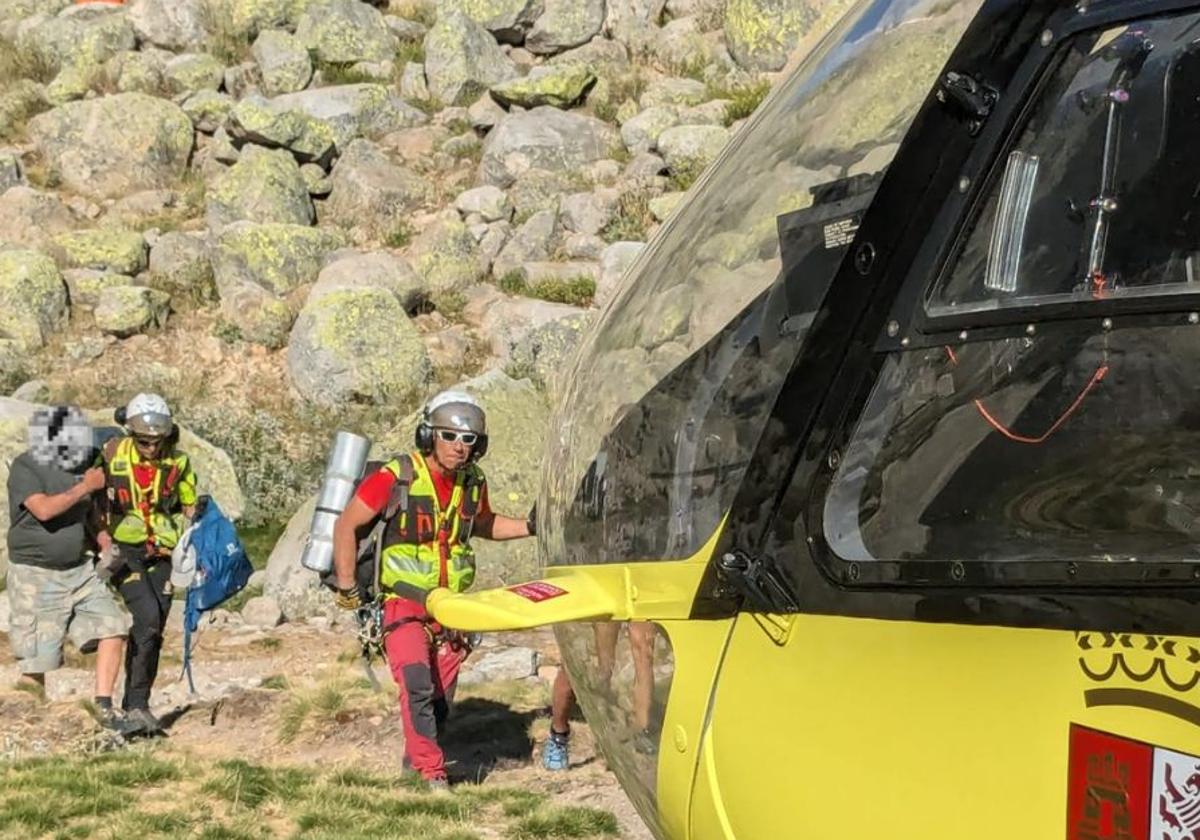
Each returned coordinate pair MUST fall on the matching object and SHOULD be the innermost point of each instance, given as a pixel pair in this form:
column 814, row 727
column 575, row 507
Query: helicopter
column 884, row 445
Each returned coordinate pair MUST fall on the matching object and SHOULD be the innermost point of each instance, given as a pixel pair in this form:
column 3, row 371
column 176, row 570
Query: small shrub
column 429, row 105
column 684, row 174
column 227, row 331
column 424, row 13
column 472, row 151
column 743, row 98
column 343, row 74
column 400, row 236
column 632, row 219
column 20, row 61
column 227, row 43
column 451, row 304
column 276, row 682
column 274, row 480
column 576, row 291
column 409, row 51
column 513, row 283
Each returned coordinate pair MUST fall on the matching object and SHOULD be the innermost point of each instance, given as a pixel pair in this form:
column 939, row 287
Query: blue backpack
column 222, row 571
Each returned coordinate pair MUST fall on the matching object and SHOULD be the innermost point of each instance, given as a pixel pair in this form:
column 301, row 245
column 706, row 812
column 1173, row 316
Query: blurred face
column 60, row 437
column 452, row 448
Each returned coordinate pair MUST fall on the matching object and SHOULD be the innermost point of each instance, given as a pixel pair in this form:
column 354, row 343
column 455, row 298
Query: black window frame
column 910, row 327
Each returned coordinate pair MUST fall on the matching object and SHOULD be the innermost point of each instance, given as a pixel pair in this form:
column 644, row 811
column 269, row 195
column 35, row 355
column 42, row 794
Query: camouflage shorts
column 49, row 604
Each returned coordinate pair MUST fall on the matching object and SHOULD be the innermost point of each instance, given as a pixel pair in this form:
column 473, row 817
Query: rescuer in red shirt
column 434, row 500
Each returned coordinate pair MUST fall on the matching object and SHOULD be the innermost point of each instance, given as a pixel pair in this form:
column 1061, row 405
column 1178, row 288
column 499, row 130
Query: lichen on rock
column 265, row 185
column 33, row 298
column 118, row 251
column 357, row 344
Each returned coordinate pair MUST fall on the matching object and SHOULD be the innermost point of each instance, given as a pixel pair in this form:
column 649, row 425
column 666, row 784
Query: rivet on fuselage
column 1106, row 323
column 1047, row 37
column 1030, row 329
column 893, row 328
column 964, row 184
column 904, row 342
column 1194, row 318
column 962, row 336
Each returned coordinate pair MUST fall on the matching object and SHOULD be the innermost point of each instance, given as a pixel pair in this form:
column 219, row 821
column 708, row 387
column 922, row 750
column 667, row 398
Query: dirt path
column 297, row 695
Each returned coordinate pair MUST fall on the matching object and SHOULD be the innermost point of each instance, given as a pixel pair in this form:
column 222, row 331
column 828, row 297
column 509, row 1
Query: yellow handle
column 618, row 592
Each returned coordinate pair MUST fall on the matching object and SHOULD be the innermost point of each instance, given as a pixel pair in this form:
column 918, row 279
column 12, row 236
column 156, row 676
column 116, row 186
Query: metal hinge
column 967, row 98
column 757, row 580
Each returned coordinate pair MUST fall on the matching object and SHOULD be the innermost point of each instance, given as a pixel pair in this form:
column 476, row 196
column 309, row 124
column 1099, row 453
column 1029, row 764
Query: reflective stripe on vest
column 145, row 517
column 413, row 541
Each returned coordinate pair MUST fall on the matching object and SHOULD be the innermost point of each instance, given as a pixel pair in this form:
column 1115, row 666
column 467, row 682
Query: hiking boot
column 555, row 755
column 141, row 722
column 439, row 787
column 113, row 720
column 645, row 742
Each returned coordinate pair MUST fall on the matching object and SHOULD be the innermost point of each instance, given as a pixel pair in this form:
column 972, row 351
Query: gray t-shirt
column 57, row 544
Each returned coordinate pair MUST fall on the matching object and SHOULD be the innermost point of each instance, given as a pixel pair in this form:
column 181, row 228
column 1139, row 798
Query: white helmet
column 149, row 414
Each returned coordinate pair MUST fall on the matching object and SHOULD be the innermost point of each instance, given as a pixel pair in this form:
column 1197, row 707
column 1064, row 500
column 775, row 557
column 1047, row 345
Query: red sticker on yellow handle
column 538, row 590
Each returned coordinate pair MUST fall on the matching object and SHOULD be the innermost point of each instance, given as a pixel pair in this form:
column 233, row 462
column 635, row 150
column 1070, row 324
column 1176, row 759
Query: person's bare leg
column 641, row 646
column 606, row 649
column 109, row 653
column 562, row 702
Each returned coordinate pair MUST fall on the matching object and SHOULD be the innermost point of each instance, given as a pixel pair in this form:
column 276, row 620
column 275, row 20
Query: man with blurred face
column 433, row 500
column 150, row 499
column 52, row 584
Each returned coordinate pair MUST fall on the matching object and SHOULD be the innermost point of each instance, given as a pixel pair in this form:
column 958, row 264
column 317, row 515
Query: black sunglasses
column 449, row 436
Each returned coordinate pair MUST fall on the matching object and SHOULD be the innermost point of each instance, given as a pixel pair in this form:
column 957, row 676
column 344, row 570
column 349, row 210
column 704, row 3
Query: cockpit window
column 672, row 390
column 1072, row 442
column 1100, row 196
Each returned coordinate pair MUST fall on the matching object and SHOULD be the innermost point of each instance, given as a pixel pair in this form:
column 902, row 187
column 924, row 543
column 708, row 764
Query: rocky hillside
column 289, row 215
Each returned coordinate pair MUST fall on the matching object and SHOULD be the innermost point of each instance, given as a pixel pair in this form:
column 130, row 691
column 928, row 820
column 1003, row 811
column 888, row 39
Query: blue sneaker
column 555, row 753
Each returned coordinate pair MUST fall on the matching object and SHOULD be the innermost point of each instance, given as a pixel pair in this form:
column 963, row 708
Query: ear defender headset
column 424, row 438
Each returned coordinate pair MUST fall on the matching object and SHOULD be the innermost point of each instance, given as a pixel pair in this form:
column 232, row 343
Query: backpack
column 370, row 535
column 222, row 571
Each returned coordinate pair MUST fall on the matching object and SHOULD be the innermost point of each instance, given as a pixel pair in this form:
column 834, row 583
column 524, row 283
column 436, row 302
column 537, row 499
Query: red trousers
column 426, row 674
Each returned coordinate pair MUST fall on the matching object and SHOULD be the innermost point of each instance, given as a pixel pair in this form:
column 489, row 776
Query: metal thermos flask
column 345, row 467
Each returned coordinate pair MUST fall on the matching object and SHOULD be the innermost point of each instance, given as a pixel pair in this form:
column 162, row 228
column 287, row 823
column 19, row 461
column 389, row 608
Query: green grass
column 250, row 785
column 577, row 291
column 260, row 540
column 566, row 821
column 146, row 792
column 239, row 600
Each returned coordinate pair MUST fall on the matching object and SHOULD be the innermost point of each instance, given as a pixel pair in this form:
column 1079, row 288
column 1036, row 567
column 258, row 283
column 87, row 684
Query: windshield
column 670, row 392
column 1098, row 198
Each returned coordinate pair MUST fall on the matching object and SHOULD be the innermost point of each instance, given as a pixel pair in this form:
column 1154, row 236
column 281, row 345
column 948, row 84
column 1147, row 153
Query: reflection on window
column 621, row 673
column 1101, row 196
column 672, row 390
column 1080, row 449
